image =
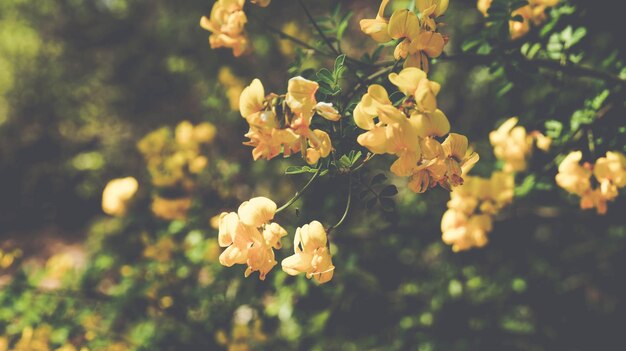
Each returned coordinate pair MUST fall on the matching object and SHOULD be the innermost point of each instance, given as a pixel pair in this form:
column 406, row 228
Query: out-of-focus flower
column 117, row 195
column 249, row 236
column 173, row 160
column 246, row 333
column 233, row 85
column 463, row 232
column 171, row 209
column 609, row 172
column 472, row 205
column 573, row 177
column 311, row 254
column 226, row 25
column 513, row 145
column 533, row 12
column 262, row 3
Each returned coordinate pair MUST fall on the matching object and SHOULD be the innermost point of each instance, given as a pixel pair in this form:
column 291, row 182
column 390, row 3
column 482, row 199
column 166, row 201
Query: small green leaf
column 389, row 191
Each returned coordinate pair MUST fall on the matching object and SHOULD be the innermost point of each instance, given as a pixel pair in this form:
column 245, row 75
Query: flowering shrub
column 322, row 146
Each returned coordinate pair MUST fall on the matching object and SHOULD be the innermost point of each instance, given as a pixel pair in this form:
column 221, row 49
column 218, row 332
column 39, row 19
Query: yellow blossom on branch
column 250, row 237
column 311, row 254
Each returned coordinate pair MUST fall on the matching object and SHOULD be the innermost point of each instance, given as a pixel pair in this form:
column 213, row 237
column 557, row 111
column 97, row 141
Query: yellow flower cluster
column 468, row 220
column 419, row 37
column 282, row 123
column 226, row 24
column 533, row 12
column 513, row 145
column 471, row 208
column 410, row 132
column 173, row 161
column 117, row 195
column 246, row 333
column 609, row 172
column 250, row 237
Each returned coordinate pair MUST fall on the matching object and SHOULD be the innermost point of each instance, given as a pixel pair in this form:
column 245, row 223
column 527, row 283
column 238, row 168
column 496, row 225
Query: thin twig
column 345, row 213
column 301, row 191
column 319, row 30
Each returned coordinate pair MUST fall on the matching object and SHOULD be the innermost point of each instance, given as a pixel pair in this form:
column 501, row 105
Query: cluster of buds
column 609, row 173
column 411, row 130
column 282, row 123
column 534, row 12
column 250, row 237
column 513, row 145
column 471, row 208
column 173, row 161
column 419, row 38
column 227, row 25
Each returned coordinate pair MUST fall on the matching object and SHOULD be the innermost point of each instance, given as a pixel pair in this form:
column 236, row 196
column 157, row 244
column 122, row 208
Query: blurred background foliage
column 81, row 82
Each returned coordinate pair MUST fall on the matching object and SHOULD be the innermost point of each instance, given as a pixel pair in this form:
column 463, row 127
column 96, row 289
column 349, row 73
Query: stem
column 368, row 158
column 319, row 30
column 345, row 213
column 293, row 39
column 572, row 70
column 300, row 192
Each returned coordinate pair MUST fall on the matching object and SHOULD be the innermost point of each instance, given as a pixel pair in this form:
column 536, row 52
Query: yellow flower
column 459, row 159
column 519, row 29
column 233, row 85
column 301, row 97
column 226, row 25
column 171, row 209
column 512, row 145
column 367, row 108
column 252, row 106
column 573, row 177
column 483, row 6
column 377, row 27
column 269, row 143
column 594, row 199
column 249, row 236
column 262, row 3
column 257, row 211
column 320, row 144
column 610, row 171
column 311, row 254
column 435, row 7
column 327, row 111
column 117, row 194
column 463, row 232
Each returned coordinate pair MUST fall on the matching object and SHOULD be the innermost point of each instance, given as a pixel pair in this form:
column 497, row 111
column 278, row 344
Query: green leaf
column 326, row 76
column 299, row 169
column 389, row 191
column 378, row 179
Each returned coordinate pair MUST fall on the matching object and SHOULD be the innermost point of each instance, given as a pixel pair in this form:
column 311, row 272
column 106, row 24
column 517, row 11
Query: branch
column 300, row 192
column 319, row 30
column 572, row 70
column 345, row 213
